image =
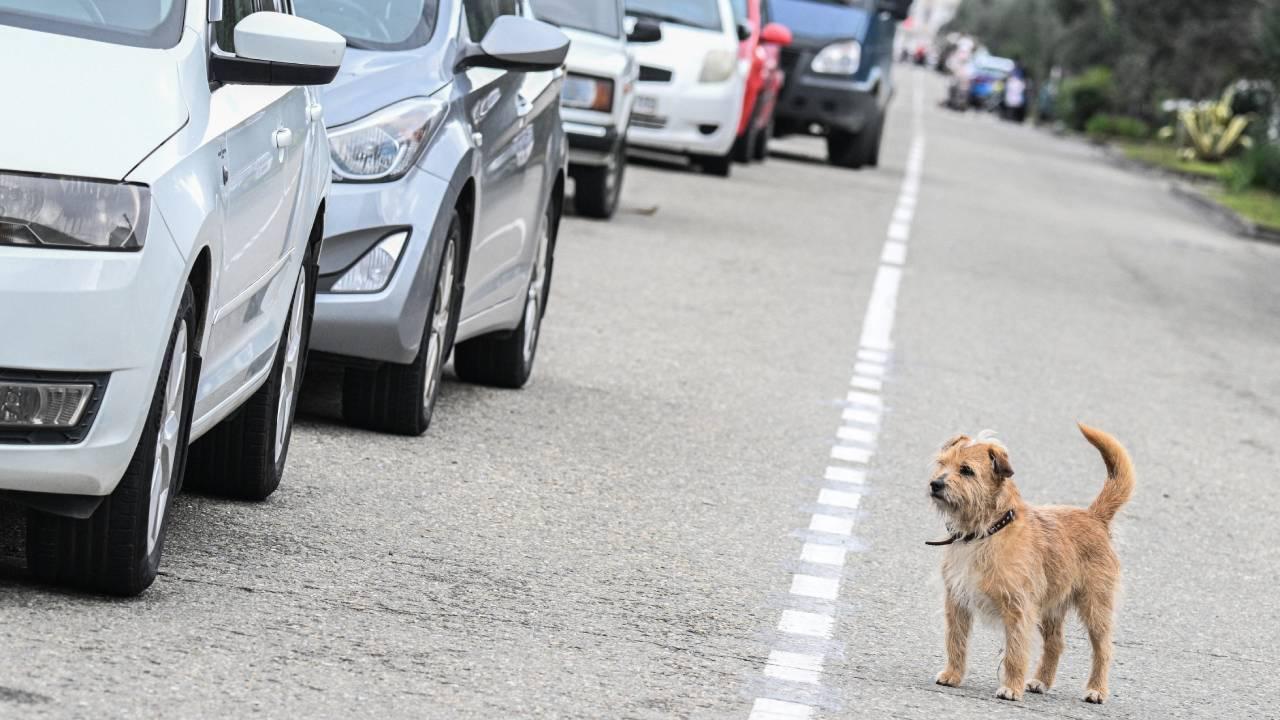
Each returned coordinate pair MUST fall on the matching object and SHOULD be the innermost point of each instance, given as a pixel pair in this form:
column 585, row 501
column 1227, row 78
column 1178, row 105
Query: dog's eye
column 966, row 471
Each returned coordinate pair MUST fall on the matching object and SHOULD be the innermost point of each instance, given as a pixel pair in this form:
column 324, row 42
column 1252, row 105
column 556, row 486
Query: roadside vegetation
column 1120, row 72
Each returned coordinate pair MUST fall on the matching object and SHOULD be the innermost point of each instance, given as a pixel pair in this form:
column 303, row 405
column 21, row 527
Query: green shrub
column 1258, row 167
column 1104, row 126
column 1086, row 95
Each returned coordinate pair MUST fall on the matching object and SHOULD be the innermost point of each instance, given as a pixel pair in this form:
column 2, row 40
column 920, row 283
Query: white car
column 161, row 209
column 599, row 92
column 689, row 98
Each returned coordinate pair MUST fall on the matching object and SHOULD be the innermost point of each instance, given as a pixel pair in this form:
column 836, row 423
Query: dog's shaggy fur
column 1031, row 572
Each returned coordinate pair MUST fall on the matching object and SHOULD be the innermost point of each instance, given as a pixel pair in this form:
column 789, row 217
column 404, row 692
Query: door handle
column 315, row 111
column 523, row 106
column 283, row 138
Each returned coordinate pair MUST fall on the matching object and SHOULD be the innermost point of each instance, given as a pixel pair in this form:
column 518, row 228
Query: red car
column 764, row 81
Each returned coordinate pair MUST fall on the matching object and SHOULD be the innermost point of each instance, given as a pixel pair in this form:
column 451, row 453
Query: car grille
column 649, row 73
column 789, row 59
column 651, row 122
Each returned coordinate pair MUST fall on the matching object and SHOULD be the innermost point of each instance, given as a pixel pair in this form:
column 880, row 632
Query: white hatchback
column 689, row 97
column 162, row 191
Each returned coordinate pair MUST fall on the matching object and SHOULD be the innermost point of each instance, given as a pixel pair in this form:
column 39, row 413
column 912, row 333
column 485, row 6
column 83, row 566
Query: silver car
column 449, row 164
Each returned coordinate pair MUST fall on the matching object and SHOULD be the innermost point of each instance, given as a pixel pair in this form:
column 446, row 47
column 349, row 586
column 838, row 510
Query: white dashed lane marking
column 793, row 669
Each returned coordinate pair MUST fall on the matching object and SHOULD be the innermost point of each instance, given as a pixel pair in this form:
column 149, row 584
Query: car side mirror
column 645, row 31
column 279, row 49
column 517, row 43
column 744, row 31
column 776, row 34
column 898, row 9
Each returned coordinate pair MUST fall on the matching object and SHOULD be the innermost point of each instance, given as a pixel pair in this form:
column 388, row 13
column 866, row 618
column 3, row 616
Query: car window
column 601, row 18
column 482, row 13
column 394, row 25
column 740, row 13
column 694, row 13
column 233, row 11
column 140, row 23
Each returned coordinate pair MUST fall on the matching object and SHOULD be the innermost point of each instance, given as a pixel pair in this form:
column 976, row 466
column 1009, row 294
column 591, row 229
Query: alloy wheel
column 440, row 319
column 165, row 466
column 533, row 305
column 289, row 371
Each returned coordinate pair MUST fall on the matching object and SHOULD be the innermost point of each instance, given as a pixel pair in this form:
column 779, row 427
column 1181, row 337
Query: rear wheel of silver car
column 244, row 456
column 117, row 549
column 597, row 189
column 399, row 398
column 506, row 359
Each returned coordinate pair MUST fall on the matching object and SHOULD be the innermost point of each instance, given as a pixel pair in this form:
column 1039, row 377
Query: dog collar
column 997, row 527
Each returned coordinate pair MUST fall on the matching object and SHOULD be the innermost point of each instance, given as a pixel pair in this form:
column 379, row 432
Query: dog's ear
column 953, row 442
column 1000, row 462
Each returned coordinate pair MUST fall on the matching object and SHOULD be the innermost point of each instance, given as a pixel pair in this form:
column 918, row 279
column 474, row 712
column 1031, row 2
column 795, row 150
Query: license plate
column 646, row 105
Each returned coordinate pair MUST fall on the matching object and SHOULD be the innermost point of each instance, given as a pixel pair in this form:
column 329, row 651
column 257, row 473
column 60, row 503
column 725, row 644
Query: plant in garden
column 1086, row 95
column 1104, row 126
column 1213, row 130
column 1259, row 167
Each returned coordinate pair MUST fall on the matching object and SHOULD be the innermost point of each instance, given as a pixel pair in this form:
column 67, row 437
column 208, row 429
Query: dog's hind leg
column 1017, row 649
column 1051, row 630
column 959, row 623
column 1095, row 606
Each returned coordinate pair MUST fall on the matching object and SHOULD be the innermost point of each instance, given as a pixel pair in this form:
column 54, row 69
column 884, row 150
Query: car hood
column 370, row 80
column 84, row 108
column 594, row 54
column 814, row 23
column 683, row 47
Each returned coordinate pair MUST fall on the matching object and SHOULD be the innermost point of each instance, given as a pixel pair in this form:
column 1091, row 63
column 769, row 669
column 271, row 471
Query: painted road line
column 856, row 434
column 815, row 587
column 894, row 253
column 876, row 356
column 832, row 555
column 831, row 524
column 769, row 709
column 851, row 454
column 838, row 498
column 793, row 666
column 860, row 415
column 866, row 383
column 799, row 622
column 864, row 399
column 845, row 475
column 869, row 369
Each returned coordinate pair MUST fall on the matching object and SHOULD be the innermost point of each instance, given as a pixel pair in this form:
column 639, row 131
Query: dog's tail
column 1119, row 486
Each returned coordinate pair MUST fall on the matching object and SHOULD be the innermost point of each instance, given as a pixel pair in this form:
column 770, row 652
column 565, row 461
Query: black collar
column 997, row 527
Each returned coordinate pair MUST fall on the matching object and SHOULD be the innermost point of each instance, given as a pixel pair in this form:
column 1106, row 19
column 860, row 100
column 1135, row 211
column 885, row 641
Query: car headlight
column 372, row 271
column 718, row 66
column 842, row 58
column 384, row 145
column 57, row 212
column 587, row 93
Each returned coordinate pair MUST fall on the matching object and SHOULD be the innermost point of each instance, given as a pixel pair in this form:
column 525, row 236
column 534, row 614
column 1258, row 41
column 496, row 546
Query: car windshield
column 394, row 25
column 598, row 17
column 695, row 13
column 139, row 23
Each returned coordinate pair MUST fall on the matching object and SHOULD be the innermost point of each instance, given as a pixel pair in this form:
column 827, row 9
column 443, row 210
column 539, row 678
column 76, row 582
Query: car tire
column 117, row 549
column 597, row 189
column 716, row 165
column 505, row 359
column 760, row 152
column 873, row 142
column 244, row 456
column 844, row 149
column 401, row 399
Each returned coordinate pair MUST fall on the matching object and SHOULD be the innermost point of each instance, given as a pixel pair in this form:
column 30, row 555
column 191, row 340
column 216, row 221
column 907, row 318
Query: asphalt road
column 618, row 539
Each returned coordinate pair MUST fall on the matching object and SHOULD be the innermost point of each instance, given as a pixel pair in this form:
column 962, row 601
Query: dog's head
column 970, row 480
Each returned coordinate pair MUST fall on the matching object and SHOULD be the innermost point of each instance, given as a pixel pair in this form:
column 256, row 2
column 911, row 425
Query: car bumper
column 695, row 119
column 590, row 144
column 384, row 326
column 832, row 103
column 108, row 314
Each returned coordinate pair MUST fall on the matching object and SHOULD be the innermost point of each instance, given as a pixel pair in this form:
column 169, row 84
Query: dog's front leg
column 1017, row 650
column 959, row 623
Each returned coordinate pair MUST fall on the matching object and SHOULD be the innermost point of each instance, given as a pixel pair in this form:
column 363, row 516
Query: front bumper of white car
column 686, row 118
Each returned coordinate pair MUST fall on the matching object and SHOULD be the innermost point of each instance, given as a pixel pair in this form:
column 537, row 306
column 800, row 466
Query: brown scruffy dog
column 1023, row 565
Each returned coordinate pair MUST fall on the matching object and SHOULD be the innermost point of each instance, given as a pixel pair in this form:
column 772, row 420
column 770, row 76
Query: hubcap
column 289, row 371
column 166, row 460
column 533, row 305
column 439, row 333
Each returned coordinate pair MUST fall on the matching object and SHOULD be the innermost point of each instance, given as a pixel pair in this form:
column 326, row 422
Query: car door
column 264, row 133
column 505, row 146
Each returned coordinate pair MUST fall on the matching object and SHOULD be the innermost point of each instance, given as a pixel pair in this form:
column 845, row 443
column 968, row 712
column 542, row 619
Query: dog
column 1023, row 565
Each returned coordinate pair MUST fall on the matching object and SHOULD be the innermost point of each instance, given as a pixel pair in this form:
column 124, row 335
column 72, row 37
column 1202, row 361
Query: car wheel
column 597, row 189
column 717, row 165
column 873, row 142
column 506, row 359
column 844, row 149
column 761, row 150
column 401, row 399
column 117, row 549
column 244, row 456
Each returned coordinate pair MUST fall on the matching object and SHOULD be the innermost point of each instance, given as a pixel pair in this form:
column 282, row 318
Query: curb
column 1188, row 188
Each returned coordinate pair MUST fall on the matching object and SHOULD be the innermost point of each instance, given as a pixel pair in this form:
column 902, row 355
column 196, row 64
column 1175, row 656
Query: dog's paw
column 1007, row 693
column 950, row 678
column 1037, row 687
column 1097, row 697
